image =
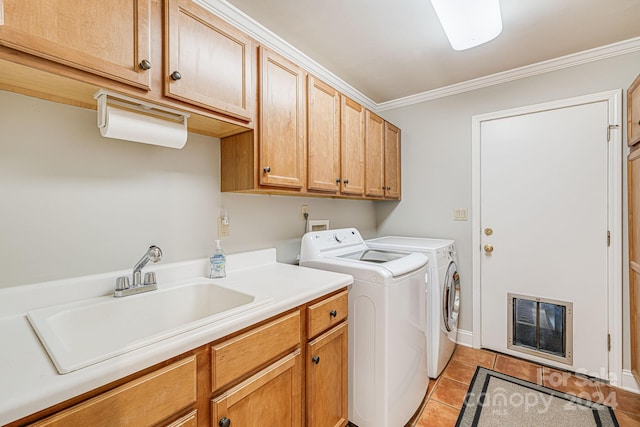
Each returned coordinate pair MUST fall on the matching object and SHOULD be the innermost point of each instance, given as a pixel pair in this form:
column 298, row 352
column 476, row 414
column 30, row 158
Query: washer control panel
column 329, row 240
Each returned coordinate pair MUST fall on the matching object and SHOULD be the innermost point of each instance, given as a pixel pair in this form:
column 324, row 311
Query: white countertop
column 29, row 382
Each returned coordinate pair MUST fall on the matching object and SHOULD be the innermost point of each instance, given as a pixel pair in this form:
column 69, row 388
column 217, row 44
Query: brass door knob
column 488, row 248
column 488, row 231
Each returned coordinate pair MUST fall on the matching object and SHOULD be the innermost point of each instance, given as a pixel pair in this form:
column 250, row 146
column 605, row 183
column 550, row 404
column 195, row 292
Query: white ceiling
column 389, row 49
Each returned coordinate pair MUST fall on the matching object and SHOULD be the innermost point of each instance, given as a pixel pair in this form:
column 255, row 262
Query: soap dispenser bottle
column 217, row 261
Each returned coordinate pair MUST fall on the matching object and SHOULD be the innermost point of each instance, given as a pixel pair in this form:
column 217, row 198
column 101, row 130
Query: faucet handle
column 150, row 278
column 122, row 283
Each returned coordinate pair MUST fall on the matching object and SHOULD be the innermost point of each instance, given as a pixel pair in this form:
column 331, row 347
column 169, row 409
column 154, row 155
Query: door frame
column 614, row 214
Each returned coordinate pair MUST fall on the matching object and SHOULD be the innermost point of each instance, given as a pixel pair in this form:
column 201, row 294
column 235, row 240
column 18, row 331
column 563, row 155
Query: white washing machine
column 387, row 355
column 443, row 293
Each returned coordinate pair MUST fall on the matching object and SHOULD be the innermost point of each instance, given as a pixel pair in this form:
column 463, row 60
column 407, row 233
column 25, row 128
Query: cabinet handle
column 346, row 181
column 145, row 64
column 176, row 75
column 389, row 188
column 315, row 359
column 267, row 169
column 338, row 180
column 224, row 422
column 333, row 313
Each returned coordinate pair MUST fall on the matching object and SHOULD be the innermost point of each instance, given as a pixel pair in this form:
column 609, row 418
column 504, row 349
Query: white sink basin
column 82, row 333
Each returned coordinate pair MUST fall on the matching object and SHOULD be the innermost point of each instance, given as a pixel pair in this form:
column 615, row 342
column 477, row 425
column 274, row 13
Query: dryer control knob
column 339, row 237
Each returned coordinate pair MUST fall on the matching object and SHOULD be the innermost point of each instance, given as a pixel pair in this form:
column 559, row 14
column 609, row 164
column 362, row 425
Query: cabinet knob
column 338, row 180
column 346, row 181
column 145, row 64
column 267, row 169
column 176, row 75
column 224, row 422
column 389, row 188
column 333, row 313
column 315, row 359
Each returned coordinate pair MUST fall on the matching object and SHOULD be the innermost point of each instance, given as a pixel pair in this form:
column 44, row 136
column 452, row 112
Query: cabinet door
column 392, row 161
column 352, row 140
column 272, row 397
column 282, row 122
column 374, row 148
column 108, row 38
column 142, row 402
column 209, row 63
column 633, row 113
column 633, row 167
column 326, row 379
column 323, row 137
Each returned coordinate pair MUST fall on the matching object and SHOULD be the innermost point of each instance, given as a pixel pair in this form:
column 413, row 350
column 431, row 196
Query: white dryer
column 443, row 293
column 387, row 355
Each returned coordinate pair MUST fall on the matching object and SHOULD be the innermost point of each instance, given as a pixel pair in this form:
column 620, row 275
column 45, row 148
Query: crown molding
column 247, row 24
column 244, row 22
column 591, row 55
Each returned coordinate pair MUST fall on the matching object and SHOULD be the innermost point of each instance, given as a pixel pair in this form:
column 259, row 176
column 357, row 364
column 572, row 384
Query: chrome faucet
column 123, row 288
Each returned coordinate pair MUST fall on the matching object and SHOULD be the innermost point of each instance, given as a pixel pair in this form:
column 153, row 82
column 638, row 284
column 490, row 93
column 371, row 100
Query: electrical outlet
column 223, row 226
column 304, row 210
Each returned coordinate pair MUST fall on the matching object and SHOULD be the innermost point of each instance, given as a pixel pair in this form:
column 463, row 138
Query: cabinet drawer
column 327, row 313
column 142, row 402
column 240, row 355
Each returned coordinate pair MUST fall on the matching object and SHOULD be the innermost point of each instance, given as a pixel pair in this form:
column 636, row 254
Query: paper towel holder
column 138, row 106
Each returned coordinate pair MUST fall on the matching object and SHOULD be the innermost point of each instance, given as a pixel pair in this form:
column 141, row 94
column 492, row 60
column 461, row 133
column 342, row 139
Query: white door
column 544, row 195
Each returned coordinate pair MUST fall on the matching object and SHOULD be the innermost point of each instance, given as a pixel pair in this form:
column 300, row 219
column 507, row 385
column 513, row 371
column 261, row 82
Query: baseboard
column 629, row 382
column 465, row 338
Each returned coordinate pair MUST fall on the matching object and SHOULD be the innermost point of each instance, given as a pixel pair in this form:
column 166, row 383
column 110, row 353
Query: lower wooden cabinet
column 272, row 397
column 326, row 379
column 253, row 378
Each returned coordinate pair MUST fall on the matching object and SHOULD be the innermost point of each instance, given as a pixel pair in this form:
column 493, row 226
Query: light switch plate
column 460, row 214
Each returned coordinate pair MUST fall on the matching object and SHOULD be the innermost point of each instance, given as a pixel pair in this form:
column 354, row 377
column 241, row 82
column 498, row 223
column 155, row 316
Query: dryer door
column 451, row 297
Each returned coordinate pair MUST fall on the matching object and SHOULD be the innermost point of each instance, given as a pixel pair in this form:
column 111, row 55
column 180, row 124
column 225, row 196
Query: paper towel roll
column 131, row 126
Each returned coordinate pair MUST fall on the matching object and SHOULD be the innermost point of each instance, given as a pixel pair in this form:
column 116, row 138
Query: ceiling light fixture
column 469, row 23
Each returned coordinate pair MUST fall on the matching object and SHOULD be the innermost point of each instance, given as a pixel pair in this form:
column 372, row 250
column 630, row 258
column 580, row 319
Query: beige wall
column 73, row 203
column 436, row 157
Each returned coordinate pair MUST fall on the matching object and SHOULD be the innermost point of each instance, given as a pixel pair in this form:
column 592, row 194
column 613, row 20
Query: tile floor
column 446, row 394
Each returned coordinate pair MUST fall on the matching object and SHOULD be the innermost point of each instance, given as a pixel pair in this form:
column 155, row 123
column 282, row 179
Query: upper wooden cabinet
column 208, row 62
column 391, row 161
column 383, row 158
column 352, row 143
column 323, row 136
column 374, row 147
column 633, row 113
column 111, row 39
column 282, row 122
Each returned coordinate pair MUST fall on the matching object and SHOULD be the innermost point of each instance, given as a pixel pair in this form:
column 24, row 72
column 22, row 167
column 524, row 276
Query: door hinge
column 608, row 238
column 609, row 128
column 608, row 342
